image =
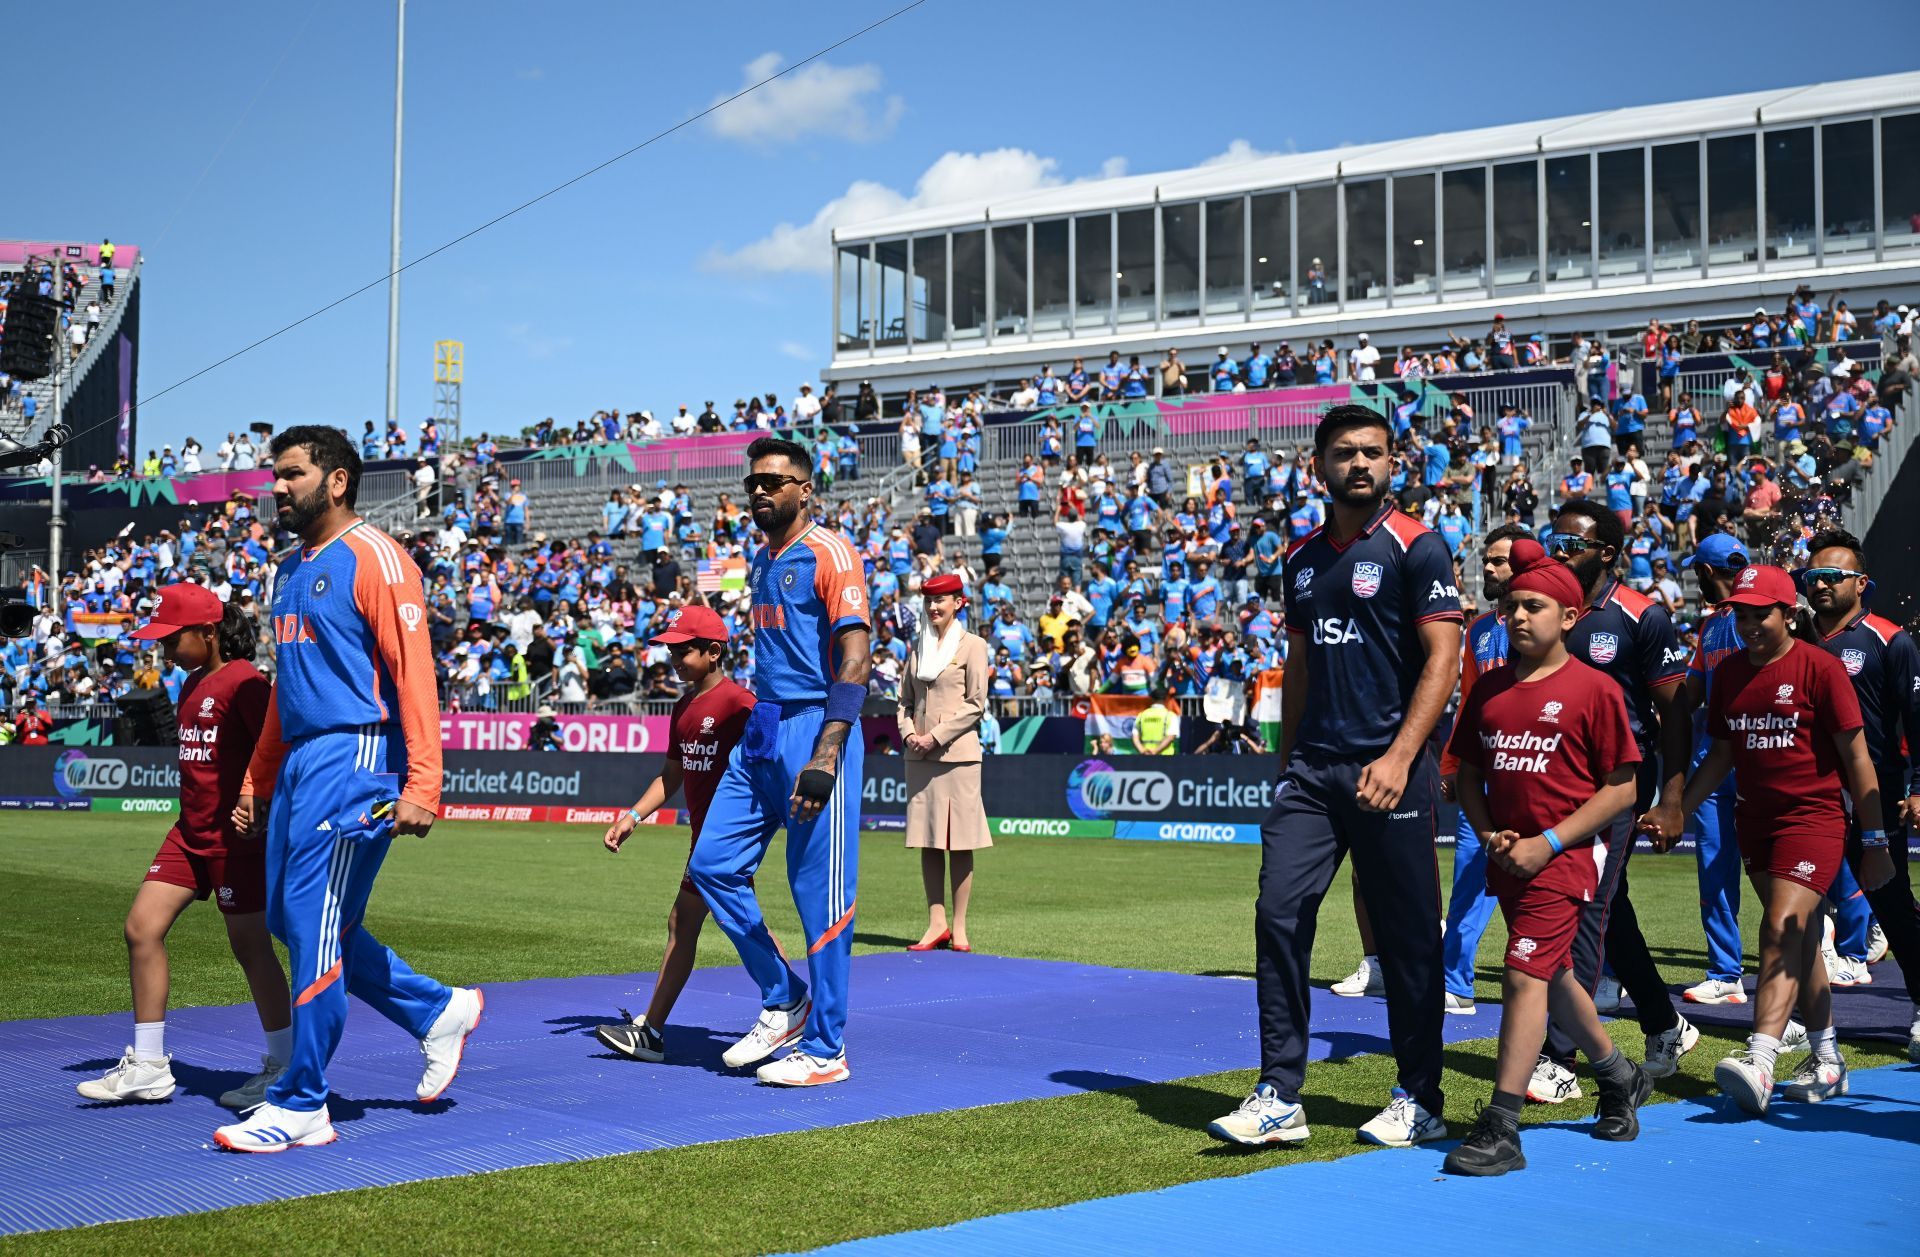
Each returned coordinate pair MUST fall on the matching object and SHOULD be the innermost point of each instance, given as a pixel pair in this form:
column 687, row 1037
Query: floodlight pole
column 393, row 255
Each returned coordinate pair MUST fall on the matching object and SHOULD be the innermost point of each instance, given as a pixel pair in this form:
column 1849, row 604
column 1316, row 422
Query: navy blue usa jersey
column 1884, row 666
column 1358, row 608
column 1629, row 637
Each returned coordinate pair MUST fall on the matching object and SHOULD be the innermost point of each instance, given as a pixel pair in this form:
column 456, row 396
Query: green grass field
column 491, row 903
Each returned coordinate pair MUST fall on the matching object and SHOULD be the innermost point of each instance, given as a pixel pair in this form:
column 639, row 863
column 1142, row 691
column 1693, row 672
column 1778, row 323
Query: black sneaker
column 1492, row 1147
column 1619, row 1108
column 633, row 1038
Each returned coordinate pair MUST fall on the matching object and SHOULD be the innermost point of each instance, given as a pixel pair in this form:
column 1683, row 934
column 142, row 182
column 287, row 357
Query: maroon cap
column 181, row 606
column 945, row 583
column 1762, row 585
column 690, row 624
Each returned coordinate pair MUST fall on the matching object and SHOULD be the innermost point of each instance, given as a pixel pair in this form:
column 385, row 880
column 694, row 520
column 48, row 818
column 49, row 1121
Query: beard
column 1587, row 569
column 1494, row 590
column 777, row 517
column 297, row 514
column 1348, row 494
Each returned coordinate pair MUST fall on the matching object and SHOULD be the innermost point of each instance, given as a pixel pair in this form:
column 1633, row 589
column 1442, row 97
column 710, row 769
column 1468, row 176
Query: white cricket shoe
column 1552, row 1083
column 1815, row 1080
column 270, row 1128
column 1462, row 1004
column 446, row 1042
column 1263, row 1118
column 132, row 1079
column 1716, row 991
column 1876, row 944
column 1844, row 970
column 802, row 1069
column 1745, row 1081
column 1403, row 1123
column 1606, row 996
column 254, row 1090
column 1794, row 1037
column 1366, row 980
column 1665, row 1049
column 776, row 1028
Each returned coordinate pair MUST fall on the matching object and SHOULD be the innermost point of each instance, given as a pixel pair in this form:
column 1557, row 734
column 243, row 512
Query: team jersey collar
column 783, row 549
column 314, row 553
column 1859, row 618
column 1366, row 530
column 1603, row 597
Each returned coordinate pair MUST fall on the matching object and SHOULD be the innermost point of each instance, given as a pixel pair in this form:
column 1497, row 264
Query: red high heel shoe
column 963, row 947
column 946, row 936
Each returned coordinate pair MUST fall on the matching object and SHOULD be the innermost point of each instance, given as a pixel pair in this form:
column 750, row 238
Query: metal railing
column 1896, row 445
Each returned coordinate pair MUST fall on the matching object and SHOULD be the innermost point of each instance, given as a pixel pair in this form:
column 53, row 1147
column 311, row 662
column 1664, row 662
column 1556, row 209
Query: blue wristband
column 844, row 701
column 1553, row 840
column 637, row 818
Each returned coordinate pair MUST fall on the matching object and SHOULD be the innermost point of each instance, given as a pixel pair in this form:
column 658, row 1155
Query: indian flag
column 1114, row 714
column 1266, row 706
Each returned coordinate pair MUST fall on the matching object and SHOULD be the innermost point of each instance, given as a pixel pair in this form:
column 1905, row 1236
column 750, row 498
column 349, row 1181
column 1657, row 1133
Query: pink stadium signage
column 507, row 731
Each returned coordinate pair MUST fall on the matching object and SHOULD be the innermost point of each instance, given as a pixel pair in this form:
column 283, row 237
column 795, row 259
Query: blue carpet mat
column 928, row 1034
column 1688, row 1185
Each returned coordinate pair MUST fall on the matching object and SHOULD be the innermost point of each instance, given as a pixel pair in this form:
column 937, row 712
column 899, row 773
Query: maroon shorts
column 236, row 882
column 1813, row 860
column 1541, row 924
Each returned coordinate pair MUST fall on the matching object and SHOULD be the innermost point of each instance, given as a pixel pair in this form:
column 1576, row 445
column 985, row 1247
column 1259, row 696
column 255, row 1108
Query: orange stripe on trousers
column 834, row 933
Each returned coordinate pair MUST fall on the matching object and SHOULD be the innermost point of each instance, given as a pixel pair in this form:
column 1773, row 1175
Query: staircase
column 13, row 421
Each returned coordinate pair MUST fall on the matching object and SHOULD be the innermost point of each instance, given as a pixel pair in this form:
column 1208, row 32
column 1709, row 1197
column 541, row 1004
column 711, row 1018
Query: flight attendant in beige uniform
column 943, row 693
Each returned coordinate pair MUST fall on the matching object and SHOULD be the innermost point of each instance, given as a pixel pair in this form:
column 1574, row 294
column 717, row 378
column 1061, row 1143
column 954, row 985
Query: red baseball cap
column 1761, row 585
column 694, row 623
column 181, row 606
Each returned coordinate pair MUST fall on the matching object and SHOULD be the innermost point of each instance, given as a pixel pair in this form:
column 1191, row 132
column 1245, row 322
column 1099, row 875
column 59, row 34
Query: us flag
column 714, row 576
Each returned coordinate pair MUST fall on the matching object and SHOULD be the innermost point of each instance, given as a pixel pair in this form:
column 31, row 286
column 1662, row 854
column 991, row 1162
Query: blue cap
column 660, row 483
column 1718, row 550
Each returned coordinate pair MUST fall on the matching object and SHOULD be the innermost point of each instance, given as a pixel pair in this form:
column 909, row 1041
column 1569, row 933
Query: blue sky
column 695, row 268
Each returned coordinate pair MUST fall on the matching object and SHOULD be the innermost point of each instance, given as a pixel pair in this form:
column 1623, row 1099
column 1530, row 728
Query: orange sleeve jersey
column 349, row 621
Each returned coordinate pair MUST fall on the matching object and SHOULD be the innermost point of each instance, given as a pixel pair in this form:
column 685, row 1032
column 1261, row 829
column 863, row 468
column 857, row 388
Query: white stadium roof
column 1614, row 126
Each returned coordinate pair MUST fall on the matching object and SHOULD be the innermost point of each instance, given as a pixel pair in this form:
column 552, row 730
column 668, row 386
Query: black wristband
column 814, row 783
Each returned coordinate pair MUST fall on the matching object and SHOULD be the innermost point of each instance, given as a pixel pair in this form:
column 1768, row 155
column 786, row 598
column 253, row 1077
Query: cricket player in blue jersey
column 795, row 766
column 1716, row 561
column 350, row 755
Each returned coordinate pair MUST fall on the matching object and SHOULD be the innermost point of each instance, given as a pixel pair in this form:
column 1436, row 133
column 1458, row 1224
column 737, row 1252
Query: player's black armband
column 815, row 783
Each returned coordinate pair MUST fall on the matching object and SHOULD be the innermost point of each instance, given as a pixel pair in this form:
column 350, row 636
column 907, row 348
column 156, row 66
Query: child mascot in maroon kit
column 1547, row 760
column 705, row 726
column 222, row 707
column 1784, row 717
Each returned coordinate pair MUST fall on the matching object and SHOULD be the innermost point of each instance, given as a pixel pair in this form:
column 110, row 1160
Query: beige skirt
column 944, row 808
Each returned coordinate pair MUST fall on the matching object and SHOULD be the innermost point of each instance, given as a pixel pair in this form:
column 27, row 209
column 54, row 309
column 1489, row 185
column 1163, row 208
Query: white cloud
column 817, row 99
column 1113, row 167
column 802, row 247
column 795, row 350
column 1239, row 151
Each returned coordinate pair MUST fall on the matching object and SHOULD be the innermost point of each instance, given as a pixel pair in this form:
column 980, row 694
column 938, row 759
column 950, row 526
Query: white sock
column 1764, row 1048
column 1373, row 962
column 1824, row 1044
column 280, row 1044
column 150, row 1040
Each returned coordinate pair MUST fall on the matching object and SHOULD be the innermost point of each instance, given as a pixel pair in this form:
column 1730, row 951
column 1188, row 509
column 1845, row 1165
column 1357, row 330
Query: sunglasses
column 1829, row 575
column 771, row 482
column 1567, row 543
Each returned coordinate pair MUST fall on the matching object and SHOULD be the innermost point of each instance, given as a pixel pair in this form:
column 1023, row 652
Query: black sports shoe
column 1619, row 1108
column 633, row 1038
column 1492, row 1147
